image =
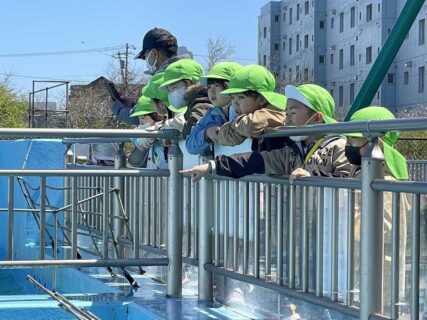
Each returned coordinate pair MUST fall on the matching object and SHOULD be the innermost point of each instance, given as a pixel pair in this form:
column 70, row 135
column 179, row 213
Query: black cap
column 156, row 38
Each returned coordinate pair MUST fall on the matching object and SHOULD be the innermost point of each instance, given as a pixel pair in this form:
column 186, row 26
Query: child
column 257, row 108
column 217, row 80
column 184, row 94
column 318, row 155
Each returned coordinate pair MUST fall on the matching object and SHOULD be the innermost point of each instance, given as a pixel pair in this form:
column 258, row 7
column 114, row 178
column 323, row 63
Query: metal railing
column 303, row 239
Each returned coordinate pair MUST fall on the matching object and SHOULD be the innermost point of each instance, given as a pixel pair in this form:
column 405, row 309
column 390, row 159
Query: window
column 390, row 78
column 341, row 96
column 379, row 7
column 368, row 12
column 332, row 58
column 322, row 24
column 276, row 47
column 297, row 43
column 406, row 78
column 290, row 16
column 284, row 46
column 341, row 59
column 368, row 55
column 290, row 46
column 332, row 23
column 421, row 79
column 321, row 59
column 265, row 32
column 306, row 7
column 290, row 75
column 306, row 75
column 276, row 18
column 297, row 75
column 352, row 17
column 352, row 55
column 421, row 32
column 351, row 92
column 284, row 16
column 298, row 11
column 332, row 92
column 264, row 60
column 306, row 41
column 341, row 22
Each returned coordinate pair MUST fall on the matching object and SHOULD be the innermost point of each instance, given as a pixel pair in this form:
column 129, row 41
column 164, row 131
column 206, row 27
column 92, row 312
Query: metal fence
column 309, row 240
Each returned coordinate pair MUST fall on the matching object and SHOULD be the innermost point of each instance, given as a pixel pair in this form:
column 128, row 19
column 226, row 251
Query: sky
column 29, row 27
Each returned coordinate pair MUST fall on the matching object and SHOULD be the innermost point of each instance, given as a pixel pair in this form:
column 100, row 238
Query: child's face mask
column 302, row 138
column 176, row 97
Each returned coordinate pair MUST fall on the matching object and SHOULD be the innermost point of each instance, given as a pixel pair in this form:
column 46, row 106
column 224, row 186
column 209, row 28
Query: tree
column 219, row 49
column 13, row 108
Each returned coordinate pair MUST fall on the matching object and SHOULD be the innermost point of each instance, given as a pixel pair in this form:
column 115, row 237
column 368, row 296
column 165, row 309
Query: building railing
column 300, row 239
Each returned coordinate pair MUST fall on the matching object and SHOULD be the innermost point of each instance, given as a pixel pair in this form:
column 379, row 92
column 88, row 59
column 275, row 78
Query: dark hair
column 252, row 94
column 220, row 82
column 169, row 52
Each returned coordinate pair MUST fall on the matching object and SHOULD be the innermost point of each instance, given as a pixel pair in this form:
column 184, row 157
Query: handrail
column 86, row 173
column 82, row 133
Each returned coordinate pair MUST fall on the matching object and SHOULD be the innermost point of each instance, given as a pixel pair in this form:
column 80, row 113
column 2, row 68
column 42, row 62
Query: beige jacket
column 327, row 160
column 250, row 126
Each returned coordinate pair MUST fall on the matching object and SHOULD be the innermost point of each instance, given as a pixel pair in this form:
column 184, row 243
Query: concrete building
column 334, row 43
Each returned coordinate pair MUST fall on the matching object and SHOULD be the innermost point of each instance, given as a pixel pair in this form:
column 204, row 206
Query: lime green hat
column 152, row 90
column 143, row 107
column 395, row 161
column 314, row 97
column 221, row 71
column 181, row 70
column 256, row 78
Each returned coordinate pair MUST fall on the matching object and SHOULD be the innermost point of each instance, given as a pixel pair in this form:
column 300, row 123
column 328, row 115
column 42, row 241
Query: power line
column 55, row 53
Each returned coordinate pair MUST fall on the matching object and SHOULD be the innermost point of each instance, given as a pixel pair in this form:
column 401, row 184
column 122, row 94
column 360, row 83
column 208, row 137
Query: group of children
column 233, row 103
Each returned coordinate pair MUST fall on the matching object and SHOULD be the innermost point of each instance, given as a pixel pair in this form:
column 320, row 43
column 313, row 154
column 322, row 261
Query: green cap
column 182, row 69
column 152, row 91
column 143, row 107
column 221, row 71
column 256, row 78
column 315, row 97
column 395, row 161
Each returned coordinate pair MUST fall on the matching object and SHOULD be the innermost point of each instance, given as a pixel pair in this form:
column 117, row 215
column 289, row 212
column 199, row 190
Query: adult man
column 159, row 50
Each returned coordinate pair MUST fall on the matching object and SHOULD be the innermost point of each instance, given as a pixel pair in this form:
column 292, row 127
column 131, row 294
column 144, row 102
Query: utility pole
column 123, row 57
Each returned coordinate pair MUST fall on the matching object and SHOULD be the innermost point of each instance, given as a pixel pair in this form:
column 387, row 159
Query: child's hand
column 298, row 173
column 212, row 133
column 198, row 171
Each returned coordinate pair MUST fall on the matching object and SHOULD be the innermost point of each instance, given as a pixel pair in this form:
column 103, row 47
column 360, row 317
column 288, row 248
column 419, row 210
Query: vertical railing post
column 68, row 160
column 206, row 223
column 175, row 221
column 119, row 186
column 10, row 218
column 371, row 234
column 42, row 217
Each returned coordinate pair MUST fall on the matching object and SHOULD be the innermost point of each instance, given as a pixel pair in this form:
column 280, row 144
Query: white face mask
column 176, row 98
column 151, row 68
column 302, row 138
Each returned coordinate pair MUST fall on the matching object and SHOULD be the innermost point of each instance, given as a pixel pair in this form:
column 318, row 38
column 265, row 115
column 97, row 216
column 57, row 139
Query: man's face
column 151, row 56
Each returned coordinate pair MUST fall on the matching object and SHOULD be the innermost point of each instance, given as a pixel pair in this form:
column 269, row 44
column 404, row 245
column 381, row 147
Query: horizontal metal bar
column 400, row 186
column 306, row 181
column 307, row 297
column 23, row 264
column 365, row 127
column 94, row 140
column 85, row 133
column 85, row 173
column 191, row 261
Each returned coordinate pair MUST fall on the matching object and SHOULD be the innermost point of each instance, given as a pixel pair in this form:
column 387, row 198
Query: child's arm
column 228, row 135
column 254, row 124
column 196, row 141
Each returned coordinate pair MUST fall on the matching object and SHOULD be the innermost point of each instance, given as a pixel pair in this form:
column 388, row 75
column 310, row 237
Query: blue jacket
column 123, row 113
column 215, row 117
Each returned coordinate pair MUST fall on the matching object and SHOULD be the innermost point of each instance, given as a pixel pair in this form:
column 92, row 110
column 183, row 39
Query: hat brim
column 275, row 99
column 169, row 82
column 205, row 79
column 177, row 110
column 233, row 91
column 140, row 55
